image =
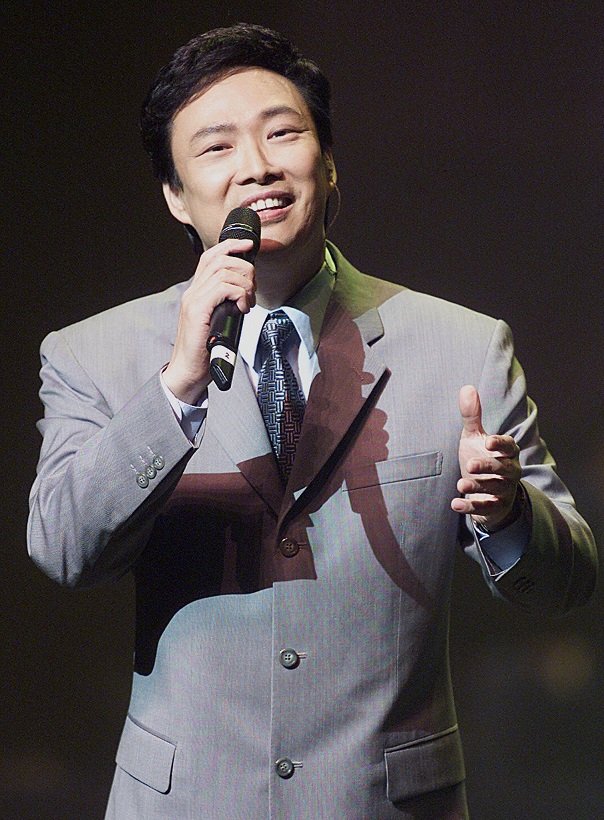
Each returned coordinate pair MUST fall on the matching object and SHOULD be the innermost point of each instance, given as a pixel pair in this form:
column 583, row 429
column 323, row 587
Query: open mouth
column 270, row 203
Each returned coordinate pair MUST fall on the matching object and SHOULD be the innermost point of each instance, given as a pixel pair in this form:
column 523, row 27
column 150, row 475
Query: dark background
column 470, row 157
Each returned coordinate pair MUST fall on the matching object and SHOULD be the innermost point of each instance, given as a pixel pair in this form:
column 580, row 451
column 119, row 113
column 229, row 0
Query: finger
column 460, row 505
column 241, row 292
column 502, row 447
column 471, row 411
column 198, row 305
column 223, row 257
column 227, row 268
column 482, row 505
column 500, row 486
column 487, row 467
column 231, row 247
column 467, row 506
column 220, row 285
column 234, row 246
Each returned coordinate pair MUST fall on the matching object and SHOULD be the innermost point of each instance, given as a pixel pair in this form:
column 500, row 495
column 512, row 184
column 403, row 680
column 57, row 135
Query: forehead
column 241, row 95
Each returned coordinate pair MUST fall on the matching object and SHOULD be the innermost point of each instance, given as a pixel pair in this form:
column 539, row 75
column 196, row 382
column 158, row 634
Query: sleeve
column 557, row 569
column 102, row 477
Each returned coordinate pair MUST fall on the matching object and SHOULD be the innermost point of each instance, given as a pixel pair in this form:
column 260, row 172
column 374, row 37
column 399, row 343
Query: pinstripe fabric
column 368, row 712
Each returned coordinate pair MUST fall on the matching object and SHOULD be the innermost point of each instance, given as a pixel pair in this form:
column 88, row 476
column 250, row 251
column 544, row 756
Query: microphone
column 225, row 327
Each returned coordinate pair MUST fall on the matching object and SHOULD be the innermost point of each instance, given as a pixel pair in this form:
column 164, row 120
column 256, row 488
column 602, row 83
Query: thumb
column 471, row 411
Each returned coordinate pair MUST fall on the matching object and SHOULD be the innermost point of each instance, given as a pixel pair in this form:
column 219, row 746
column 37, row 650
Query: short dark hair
column 207, row 58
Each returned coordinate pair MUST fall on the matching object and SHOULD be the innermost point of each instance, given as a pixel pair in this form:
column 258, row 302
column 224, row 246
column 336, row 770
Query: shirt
column 307, row 311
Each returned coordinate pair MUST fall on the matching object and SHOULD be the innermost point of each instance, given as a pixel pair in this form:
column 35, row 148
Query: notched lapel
column 235, row 420
column 350, row 372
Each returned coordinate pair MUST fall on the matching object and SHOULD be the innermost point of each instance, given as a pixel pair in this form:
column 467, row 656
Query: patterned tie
column 279, row 395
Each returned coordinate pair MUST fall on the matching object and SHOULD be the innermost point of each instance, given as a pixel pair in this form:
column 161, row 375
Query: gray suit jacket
column 348, row 568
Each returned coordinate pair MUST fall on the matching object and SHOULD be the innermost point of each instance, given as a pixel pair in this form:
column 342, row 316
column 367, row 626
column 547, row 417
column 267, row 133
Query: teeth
column 270, row 202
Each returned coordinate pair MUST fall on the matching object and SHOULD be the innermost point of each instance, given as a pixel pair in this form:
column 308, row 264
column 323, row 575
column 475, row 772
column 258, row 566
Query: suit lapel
column 350, row 372
column 235, row 420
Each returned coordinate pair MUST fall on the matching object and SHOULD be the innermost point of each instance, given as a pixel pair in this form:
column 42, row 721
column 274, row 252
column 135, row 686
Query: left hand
column 489, row 466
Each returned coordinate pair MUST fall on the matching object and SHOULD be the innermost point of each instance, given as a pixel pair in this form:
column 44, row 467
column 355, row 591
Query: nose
column 255, row 165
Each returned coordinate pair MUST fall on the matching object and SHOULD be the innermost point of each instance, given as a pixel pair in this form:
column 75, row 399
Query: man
column 292, row 608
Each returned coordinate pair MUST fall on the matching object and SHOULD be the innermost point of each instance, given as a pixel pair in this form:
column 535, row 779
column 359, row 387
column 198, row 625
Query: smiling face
column 249, row 140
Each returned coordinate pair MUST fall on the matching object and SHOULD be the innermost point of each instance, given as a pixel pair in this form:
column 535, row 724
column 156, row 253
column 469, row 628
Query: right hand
column 219, row 276
column 490, row 469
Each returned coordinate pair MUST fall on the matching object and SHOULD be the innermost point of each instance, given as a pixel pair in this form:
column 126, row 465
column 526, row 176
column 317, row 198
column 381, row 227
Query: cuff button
column 159, row 462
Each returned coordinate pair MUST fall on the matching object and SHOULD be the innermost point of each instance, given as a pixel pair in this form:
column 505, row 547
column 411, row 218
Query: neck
column 279, row 276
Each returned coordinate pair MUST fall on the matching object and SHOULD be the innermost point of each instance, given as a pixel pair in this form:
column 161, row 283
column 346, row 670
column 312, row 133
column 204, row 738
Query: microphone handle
column 226, row 322
column 223, row 342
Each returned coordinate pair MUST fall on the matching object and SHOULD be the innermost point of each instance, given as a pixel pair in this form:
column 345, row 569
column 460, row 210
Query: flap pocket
column 146, row 756
column 405, row 468
column 424, row 765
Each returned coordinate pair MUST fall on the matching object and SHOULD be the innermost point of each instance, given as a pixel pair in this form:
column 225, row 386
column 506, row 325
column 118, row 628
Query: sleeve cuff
column 189, row 416
column 503, row 548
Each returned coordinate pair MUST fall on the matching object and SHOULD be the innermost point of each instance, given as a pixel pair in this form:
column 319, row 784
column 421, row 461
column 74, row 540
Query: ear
column 176, row 203
column 330, row 168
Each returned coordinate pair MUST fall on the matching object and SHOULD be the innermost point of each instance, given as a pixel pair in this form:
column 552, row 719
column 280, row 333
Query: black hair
column 207, row 58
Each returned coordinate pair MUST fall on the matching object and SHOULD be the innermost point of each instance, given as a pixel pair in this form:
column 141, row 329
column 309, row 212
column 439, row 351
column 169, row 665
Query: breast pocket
column 146, row 756
column 404, row 468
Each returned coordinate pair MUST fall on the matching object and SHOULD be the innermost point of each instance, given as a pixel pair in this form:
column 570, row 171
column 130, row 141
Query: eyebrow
column 229, row 127
column 219, row 128
column 276, row 110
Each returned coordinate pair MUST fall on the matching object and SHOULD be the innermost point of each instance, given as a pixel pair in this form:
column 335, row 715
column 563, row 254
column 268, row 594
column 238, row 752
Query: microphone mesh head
column 242, row 223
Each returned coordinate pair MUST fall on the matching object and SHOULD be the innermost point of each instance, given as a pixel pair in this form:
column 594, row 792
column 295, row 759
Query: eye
column 285, row 131
column 213, row 148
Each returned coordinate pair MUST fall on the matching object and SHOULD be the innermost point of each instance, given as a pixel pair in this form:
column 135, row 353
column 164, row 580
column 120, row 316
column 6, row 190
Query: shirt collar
column 306, row 310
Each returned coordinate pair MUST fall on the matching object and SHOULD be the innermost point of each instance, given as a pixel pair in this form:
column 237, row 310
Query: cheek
column 204, row 196
column 206, row 182
column 206, row 218
column 317, row 184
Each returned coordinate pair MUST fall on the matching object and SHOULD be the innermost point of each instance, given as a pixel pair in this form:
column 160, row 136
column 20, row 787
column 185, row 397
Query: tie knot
column 275, row 331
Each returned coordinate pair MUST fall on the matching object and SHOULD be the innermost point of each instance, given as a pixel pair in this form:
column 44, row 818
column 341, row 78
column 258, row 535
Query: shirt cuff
column 503, row 548
column 189, row 416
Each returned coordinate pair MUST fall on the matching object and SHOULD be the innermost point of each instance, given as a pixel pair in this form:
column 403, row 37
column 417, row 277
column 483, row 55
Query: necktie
column 279, row 395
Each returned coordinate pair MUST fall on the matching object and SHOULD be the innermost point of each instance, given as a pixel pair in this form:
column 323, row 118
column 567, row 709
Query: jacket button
column 284, row 767
column 289, row 547
column 289, row 658
column 142, row 480
column 150, row 471
column 159, row 462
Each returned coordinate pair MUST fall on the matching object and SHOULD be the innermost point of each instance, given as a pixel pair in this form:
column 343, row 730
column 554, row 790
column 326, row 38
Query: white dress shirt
column 307, row 311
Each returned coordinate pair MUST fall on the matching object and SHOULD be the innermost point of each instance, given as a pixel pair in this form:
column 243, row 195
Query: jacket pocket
column 145, row 756
column 405, row 468
column 424, row 765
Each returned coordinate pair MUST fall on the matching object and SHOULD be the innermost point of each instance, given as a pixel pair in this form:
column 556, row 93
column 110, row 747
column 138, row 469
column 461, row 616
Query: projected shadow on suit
column 220, row 533
column 206, row 542
column 344, row 441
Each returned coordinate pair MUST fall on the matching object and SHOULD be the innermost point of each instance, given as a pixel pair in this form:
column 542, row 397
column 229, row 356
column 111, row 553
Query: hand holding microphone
column 227, row 319
column 208, row 315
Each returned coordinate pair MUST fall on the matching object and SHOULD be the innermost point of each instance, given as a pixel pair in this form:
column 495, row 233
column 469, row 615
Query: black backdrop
column 470, row 155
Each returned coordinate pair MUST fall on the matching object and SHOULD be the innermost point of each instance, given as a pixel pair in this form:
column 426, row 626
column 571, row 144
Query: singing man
column 292, row 538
